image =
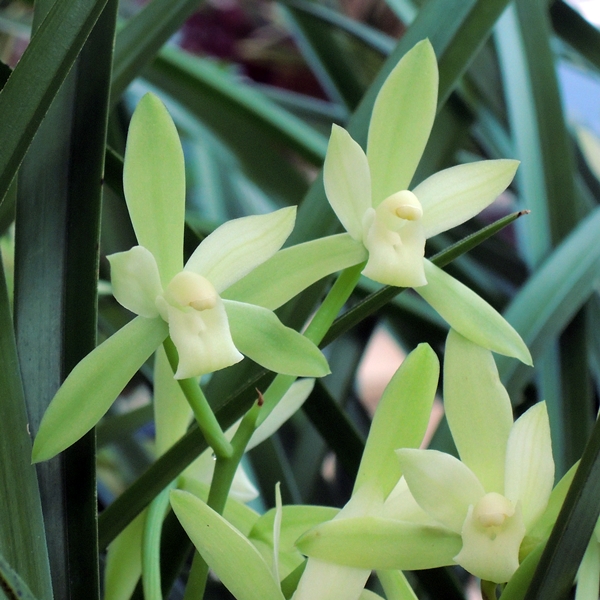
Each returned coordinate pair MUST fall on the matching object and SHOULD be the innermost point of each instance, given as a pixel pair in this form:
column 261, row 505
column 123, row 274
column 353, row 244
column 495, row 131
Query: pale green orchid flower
column 387, row 224
column 475, row 513
column 400, row 420
column 369, row 192
column 172, row 299
column 501, row 485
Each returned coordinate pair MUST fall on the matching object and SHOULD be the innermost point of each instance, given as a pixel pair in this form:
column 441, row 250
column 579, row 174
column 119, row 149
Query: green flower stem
column 333, row 303
column 207, row 422
column 151, row 545
column 315, row 332
column 225, row 468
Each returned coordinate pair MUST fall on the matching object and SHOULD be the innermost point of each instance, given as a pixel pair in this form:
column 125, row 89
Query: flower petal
column 396, row 586
column 347, row 180
column 588, row 574
column 124, row 561
column 242, row 489
column 376, row 543
column 492, row 557
column 97, row 379
column 241, row 516
column 395, row 258
column 172, row 412
column 478, row 410
column 292, row 400
column 454, row 195
column 135, row 281
column 260, row 335
column 233, row 558
column 442, row 485
column 154, row 184
column 203, row 340
column 277, row 530
column 402, row 506
column 238, row 246
column 400, row 420
column 402, row 118
column 470, row 315
column 529, row 463
column 326, row 581
column 293, row 269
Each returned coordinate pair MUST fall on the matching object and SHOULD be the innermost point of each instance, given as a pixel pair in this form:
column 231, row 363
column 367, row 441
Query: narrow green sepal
column 94, row 384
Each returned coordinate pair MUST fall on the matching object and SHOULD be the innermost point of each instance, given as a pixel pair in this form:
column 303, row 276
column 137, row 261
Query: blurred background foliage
column 254, row 86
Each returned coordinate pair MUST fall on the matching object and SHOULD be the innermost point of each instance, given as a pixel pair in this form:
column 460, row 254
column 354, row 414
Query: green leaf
column 578, row 32
column 400, row 420
column 11, row 583
column 470, row 315
column 142, row 37
column 376, row 543
column 27, row 95
column 564, row 282
column 154, row 184
column 203, row 77
column 402, row 119
column 94, row 384
column 22, row 537
column 293, row 269
column 233, row 558
column 261, row 336
column 578, row 516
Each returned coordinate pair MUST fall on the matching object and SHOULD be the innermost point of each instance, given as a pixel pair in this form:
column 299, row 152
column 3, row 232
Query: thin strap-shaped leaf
column 576, row 31
column 547, row 178
column 22, row 537
column 553, row 295
column 142, row 37
column 558, row 564
column 37, row 77
column 56, row 285
column 200, row 76
column 11, row 583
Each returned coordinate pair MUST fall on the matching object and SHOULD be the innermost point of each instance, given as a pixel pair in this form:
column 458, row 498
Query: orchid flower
column 169, row 298
column 387, row 224
column 501, row 485
column 369, row 192
column 478, row 509
column 245, row 569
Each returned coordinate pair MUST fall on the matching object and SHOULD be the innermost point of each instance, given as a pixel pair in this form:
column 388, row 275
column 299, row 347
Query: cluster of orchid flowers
column 411, row 508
